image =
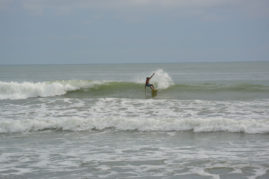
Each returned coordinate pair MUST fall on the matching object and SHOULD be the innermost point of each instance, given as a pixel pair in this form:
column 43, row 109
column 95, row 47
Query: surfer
column 147, row 84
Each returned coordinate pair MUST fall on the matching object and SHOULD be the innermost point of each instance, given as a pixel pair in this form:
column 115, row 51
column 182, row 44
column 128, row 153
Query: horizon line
column 134, row 63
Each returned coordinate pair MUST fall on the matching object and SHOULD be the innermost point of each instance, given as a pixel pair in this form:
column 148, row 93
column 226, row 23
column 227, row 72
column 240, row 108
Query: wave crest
column 23, row 90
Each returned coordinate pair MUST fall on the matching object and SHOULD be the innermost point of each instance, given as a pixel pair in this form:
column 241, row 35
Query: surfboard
column 154, row 93
column 149, row 93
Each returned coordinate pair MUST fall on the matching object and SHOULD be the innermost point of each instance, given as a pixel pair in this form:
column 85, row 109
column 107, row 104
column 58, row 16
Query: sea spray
column 161, row 79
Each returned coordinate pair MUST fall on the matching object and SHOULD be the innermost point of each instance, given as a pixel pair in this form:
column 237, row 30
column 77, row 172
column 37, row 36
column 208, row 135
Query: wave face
column 72, row 114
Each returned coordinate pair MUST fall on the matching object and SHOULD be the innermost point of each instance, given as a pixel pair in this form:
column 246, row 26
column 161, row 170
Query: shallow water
column 121, row 154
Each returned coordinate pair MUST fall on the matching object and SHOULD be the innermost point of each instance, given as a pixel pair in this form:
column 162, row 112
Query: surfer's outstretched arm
column 152, row 75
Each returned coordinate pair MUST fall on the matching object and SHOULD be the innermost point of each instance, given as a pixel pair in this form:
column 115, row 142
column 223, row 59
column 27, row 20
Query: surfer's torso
column 147, row 82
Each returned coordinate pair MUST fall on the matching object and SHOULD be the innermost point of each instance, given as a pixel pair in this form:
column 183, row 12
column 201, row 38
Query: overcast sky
column 130, row 31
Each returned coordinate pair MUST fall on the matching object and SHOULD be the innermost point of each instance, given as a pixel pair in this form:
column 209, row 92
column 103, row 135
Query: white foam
column 258, row 172
column 23, row 90
column 137, row 114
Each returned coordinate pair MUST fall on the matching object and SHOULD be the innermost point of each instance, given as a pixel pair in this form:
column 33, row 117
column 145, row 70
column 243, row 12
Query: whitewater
column 208, row 120
column 129, row 114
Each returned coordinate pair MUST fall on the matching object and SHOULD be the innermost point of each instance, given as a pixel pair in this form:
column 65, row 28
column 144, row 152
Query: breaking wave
column 69, row 114
column 127, row 89
column 84, row 88
column 127, row 124
column 24, row 90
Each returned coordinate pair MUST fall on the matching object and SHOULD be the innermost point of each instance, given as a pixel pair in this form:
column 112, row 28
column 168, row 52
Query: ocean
column 208, row 120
